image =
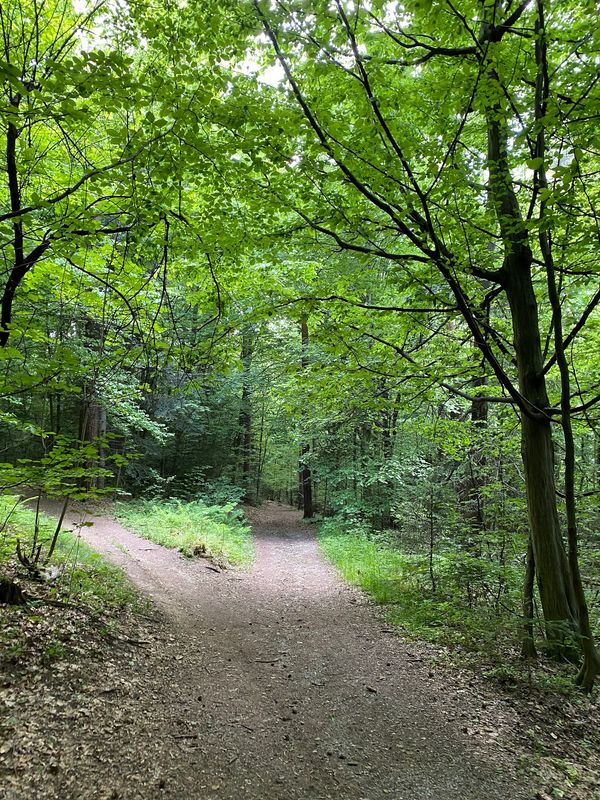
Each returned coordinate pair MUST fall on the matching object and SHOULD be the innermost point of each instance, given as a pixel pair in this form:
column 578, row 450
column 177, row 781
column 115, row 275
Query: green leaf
column 535, row 163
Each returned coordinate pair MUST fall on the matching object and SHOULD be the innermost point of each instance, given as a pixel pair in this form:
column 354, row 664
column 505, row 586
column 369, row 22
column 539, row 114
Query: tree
column 376, row 88
column 71, row 140
column 245, row 417
column 305, row 478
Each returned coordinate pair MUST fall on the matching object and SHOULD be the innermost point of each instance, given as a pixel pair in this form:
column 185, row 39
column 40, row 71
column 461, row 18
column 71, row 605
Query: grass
column 485, row 635
column 397, row 580
column 81, row 574
column 71, row 597
column 400, row 581
column 192, row 527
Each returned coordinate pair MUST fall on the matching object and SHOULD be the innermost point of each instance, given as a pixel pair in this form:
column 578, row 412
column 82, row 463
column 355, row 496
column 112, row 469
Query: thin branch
column 369, row 306
column 84, row 179
column 576, row 328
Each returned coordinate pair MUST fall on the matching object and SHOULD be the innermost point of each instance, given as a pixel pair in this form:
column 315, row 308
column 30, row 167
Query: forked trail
column 274, row 684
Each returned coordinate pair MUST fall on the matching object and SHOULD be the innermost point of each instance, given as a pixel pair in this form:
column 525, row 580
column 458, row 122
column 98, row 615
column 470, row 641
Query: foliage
column 400, row 580
column 412, row 185
column 195, row 528
column 75, row 571
column 482, row 633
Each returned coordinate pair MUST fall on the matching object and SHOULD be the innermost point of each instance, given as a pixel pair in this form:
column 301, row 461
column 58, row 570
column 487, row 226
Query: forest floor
column 280, row 682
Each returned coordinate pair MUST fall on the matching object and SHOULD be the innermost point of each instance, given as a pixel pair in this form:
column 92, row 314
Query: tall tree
column 245, row 418
column 71, row 140
column 377, row 86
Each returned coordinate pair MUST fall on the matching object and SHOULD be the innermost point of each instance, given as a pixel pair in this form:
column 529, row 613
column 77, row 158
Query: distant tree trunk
column 175, row 455
column 300, row 492
column 431, row 538
column 479, row 418
column 92, row 419
column 102, row 429
column 245, row 418
column 306, row 482
column 262, row 451
column 388, row 431
column 389, row 422
column 58, row 426
column 355, row 462
column 92, row 430
column 304, row 474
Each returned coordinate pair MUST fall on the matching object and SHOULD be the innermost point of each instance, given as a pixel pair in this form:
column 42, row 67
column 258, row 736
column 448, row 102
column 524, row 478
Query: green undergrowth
column 481, row 627
column 74, row 571
column 402, row 583
column 195, row 528
column 76, row 603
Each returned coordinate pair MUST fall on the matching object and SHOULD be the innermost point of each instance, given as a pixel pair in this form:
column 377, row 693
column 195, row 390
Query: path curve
column 283, row 683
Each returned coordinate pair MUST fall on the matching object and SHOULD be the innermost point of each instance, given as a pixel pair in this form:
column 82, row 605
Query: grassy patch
column 484, row 633
column 72, row 598
column 402, row 583
column 192, row 527
column 79, row 573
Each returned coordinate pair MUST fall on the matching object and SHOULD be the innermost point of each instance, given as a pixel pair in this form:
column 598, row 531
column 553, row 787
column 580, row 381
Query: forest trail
column 273, row 684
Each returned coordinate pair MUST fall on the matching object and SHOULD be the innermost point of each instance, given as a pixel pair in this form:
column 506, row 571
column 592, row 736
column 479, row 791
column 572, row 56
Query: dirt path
column 269, row 685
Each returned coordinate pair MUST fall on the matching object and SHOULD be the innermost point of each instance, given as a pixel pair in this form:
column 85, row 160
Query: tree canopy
column 342, row 254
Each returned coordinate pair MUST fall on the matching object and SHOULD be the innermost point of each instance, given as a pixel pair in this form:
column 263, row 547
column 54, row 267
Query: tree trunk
column 306, row 482
column 92, row 420
column 537, row 447
column 263, row 443
column 92, row 429
column 528, row 645
column 477, row 459
column 553, row 574
column 245, row 418
column 11, row 593
column 591, row 658
column 304, row 473
column 23, row 262
column 102, row 427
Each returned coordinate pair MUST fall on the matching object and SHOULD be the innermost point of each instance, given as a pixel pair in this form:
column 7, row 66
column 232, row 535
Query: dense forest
column 339, row 255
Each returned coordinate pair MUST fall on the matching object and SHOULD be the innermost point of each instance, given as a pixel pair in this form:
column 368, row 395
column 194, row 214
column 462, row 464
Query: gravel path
column 275, row 684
